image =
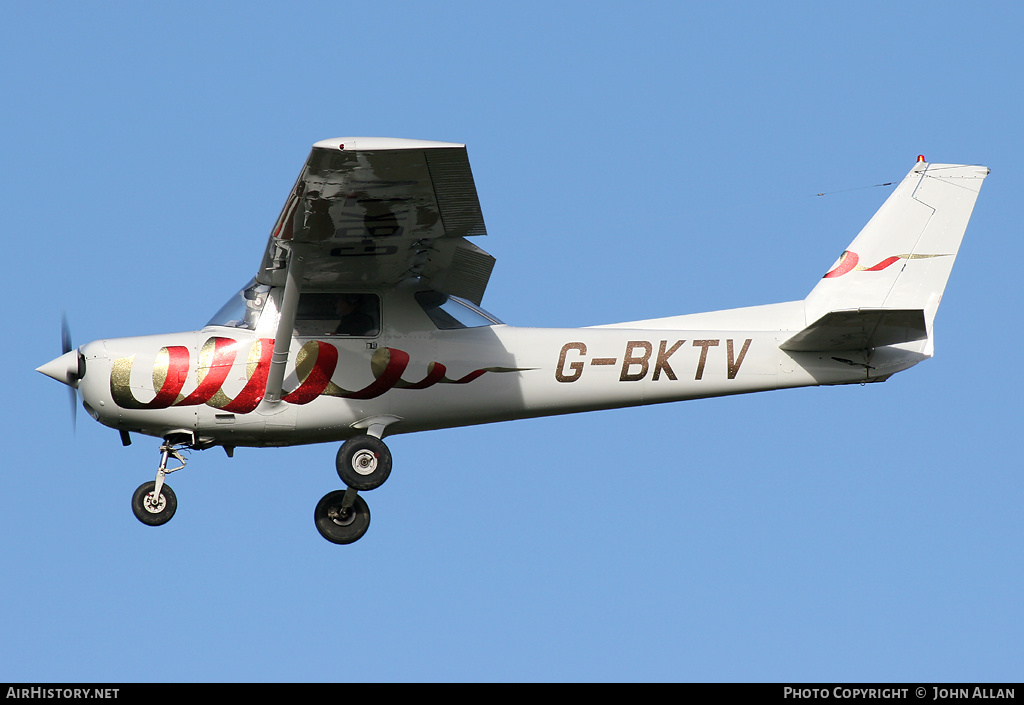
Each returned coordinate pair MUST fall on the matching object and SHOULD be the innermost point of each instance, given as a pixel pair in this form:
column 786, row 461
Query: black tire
column 363, row 463
column 150, row 513
column 339, row 525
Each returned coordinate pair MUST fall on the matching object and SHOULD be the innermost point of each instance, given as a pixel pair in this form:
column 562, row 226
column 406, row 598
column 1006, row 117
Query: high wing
column 371, row 211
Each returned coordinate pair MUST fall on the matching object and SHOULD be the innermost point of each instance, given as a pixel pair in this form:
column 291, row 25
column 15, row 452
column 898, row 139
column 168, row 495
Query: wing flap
column 457, row 201
column 465, row 273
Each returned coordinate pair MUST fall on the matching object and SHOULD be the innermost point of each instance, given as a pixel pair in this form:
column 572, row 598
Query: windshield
column 243, row 309
column 451, row 312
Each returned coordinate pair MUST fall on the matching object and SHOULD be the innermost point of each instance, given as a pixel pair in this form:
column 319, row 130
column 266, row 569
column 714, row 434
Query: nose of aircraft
column 68, row 369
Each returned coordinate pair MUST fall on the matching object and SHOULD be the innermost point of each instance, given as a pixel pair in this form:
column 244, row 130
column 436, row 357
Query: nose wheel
column 154, row 502
column 153, row 508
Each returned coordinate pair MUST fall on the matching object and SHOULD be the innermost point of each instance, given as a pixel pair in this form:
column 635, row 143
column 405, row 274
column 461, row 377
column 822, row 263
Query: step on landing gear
column 363, row 463
column 154, row 502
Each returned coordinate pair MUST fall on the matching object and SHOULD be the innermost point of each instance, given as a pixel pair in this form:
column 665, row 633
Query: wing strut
column 285, row 325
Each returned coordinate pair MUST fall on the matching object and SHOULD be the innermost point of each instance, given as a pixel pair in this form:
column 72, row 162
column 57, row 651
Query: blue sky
column 632, row 161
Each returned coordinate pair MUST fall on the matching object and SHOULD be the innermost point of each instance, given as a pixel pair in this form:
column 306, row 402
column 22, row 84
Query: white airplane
column 364, row 320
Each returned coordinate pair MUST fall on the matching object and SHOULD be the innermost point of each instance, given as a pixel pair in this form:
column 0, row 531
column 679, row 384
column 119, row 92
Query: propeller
column 67, row 369
column 74, row 373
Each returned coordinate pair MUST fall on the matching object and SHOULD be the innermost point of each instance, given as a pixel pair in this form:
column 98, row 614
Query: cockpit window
column 451, row 312
column 243, row 309
column 341, row 313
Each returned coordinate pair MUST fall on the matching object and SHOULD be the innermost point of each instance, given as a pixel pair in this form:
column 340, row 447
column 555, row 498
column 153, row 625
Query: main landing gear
column 342, row 516
column 363, row 463
column 154, row 502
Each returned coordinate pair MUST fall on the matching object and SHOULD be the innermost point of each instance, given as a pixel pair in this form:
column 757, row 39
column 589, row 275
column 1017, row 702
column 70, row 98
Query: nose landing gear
column 154, row 502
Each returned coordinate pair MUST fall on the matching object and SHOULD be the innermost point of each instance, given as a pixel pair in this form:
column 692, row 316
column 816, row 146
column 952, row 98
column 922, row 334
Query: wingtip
column 353, row 144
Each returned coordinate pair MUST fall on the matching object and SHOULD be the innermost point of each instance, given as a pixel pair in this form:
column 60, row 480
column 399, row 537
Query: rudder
column 902, row 258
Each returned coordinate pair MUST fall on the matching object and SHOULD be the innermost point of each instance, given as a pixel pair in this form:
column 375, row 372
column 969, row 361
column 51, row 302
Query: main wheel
column 340, row 524
column 363, row 462
column 154, row 511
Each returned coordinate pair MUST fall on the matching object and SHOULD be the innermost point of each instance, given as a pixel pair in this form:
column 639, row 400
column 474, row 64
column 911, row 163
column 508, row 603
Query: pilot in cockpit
column 352, row 319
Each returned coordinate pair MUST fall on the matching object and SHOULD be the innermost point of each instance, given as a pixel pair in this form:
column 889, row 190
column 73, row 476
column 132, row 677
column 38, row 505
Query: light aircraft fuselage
column 363, row 321
column 210, row 383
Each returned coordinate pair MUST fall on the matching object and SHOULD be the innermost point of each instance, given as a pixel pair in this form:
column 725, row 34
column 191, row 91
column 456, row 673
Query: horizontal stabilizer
column 860, row 329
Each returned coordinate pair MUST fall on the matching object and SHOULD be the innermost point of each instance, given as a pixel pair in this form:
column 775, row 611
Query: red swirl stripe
column 318, row 378
column 220, row 366
column 174, row 381
column 882, row 265
column 849, row 261
column 253, row 391
column 398, row 360
column 435, row 374
column 387, row 365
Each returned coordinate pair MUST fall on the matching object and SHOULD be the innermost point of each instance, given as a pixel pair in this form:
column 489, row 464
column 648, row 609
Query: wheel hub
column 155, row 506
column 342, row 516
column 364, row 462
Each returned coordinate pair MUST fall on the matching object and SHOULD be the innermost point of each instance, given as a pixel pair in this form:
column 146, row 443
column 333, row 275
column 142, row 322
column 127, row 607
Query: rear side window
column 451, row 312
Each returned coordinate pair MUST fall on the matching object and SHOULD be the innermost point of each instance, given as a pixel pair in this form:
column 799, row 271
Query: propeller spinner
column 69, row 368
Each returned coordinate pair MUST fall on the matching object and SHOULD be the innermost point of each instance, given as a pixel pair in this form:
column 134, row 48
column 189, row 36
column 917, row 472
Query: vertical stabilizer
column 902, row 258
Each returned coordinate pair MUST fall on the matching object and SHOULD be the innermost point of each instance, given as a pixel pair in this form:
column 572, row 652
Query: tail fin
column 900, row 262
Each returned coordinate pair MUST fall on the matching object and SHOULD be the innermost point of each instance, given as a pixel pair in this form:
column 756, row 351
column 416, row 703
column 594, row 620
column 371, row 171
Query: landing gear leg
column 363, row 463
column 154, row 503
